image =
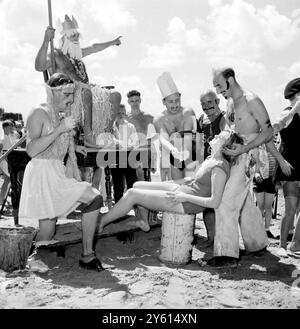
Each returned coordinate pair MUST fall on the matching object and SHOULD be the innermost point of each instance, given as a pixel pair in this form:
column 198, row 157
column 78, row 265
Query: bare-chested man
column 68, row 60
column 251, row 121
column 176, row 125
column 143, row 123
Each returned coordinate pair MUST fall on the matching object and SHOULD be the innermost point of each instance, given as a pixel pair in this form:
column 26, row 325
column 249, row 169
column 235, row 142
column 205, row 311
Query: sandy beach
column 135, row 278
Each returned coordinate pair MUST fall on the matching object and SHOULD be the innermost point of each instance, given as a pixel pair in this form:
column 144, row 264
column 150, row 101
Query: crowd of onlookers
column 10, row 132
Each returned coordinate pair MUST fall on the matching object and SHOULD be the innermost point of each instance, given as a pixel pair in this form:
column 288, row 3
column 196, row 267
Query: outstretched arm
column 41, row 61
column 96, row 47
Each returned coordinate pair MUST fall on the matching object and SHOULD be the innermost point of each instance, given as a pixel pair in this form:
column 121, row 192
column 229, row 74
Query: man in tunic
column 47, row 193
column 94, row 106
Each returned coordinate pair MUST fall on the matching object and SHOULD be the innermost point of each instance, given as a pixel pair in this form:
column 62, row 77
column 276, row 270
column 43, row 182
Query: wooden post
column 15, row 244
column 51, row 41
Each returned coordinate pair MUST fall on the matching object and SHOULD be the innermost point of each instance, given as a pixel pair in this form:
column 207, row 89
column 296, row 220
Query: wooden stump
column 15, row 243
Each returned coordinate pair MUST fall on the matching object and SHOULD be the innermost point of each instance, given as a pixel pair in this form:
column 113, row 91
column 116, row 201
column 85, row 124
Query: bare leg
column 150, row 199
column 89, row 223
column 46, row 229
column 4, row 188
column 290, row 209
column 97, row 178
column 269, row 197
column 163, row 174
column 142, row 222
column 260, row 198
column 209, row 222
column 140, row 174
column 163, row 186
column 295, row 244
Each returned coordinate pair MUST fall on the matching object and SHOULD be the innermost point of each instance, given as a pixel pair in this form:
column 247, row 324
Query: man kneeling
column 47, row 193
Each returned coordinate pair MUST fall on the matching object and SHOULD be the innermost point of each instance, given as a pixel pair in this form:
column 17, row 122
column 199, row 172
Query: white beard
column 71, row 49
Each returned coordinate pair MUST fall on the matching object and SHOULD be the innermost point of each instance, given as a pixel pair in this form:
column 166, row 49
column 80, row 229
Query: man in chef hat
column 177, row 127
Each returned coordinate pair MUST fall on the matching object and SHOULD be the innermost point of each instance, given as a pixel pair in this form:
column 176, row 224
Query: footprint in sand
column 228, row 298
column 176, row 294
column 140, row 288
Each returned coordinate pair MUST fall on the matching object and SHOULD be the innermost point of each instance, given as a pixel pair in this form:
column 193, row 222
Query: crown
column 69, row 24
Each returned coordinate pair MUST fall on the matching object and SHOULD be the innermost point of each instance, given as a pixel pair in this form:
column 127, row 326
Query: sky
column 260, row 39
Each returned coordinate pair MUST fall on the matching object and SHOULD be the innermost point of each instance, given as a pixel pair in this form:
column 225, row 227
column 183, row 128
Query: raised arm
column 42, row 62
column 36, row 143
column 96, row 47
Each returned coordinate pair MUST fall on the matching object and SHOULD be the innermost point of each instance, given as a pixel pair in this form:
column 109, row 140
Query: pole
column 51, row 41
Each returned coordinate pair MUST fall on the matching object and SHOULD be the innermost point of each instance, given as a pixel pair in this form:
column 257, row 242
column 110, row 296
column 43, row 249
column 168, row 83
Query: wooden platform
column 68, row 230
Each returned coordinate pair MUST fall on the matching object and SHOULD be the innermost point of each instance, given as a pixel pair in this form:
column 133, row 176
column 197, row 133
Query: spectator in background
column 289, row 125
column 211, row 123
column 126, row 136
column 9, row 139
column 265, row 190
column 143, row 123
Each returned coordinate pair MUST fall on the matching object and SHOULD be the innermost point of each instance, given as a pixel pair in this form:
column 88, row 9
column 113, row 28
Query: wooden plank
column 70, row 233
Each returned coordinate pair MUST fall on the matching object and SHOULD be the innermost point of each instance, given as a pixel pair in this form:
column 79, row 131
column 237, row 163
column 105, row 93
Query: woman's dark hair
column 58, row 79
column 234, row 138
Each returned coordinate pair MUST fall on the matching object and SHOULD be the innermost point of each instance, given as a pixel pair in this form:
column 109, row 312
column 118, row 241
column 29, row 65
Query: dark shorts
column 181, row 164
column 191, row 208
column 265, row 186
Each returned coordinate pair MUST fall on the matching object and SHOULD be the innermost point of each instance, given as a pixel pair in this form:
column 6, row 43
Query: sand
column 136, row 279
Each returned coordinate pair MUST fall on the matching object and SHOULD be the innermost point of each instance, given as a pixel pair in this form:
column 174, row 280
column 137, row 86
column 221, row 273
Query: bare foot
column 145, row 227
column 282, row 253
